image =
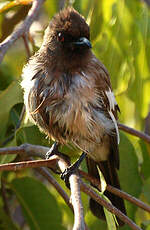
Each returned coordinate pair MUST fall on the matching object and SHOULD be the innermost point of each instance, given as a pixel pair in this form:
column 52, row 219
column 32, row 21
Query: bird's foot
column 67, row 173
column 71, row 169
column 53, row 151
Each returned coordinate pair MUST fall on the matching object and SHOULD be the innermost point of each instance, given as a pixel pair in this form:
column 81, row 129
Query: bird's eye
column 60, row 37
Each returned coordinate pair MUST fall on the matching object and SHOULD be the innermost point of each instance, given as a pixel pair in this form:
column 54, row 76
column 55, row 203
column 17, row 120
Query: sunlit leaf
column 96, row 19
column 94, row 223
column 110, row 218
column 102, row 181
column 11, row 4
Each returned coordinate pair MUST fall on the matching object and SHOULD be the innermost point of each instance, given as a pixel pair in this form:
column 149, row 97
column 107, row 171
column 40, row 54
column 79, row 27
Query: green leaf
column 102, row 180
column 129, row 174
column 146, row 159
column 52, row 7
column 32, row 135
column 6, row 222
column 110, row 218
column 146, row 189
column 94, row 223
column 8, row 98
column 6, row 76
column 146, row 225
column 39, row 206
column 96, row 19
column 9, row 157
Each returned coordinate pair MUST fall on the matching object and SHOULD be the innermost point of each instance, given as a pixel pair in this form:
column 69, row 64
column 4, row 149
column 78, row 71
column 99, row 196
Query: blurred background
column 120, row 35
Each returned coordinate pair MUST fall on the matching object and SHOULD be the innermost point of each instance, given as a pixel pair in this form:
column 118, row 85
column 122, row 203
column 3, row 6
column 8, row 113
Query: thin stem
column 27, row 164
column 74, row 181
column 116, row 191
column 23, row 28
column 26, row 44
column 89, row 191
column 134, row 132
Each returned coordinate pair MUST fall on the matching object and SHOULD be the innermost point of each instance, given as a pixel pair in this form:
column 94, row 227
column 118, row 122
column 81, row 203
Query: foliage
column 120, row 34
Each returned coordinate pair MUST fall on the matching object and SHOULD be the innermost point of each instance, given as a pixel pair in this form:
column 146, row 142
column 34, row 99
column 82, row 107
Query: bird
column 68, row 95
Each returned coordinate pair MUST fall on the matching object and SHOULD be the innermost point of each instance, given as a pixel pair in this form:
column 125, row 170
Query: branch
column 29, row 164
column 30, row 150
column 25, row 149
column 135, row 132
column 56, row 162
column 8, row 24
column 26, row 44
column 74, row 181
column 53, row 163
column 23, row 28
column 116, row 191
column 90, row 192
column 147, row 1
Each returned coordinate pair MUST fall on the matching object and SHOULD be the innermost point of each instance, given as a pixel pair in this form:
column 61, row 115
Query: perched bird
column 68, row 94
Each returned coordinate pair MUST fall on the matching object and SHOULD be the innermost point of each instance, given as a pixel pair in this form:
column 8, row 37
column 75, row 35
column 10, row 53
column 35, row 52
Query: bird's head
column 67, row 35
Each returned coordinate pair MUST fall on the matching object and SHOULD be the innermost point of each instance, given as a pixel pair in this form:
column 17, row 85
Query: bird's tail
column 109, row 172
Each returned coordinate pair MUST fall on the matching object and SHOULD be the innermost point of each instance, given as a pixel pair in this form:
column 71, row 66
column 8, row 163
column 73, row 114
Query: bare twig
column 135, row 132
column 23, row 28
column 147, row 1
column 76, row 201
column 25, row 39
column 25, row 148
column 116, row 191
column 74, row 181
column 38, row 150
column 10, row 22
column 55, row 162
column 128, row 197
column 89, row 191
column 29, row 164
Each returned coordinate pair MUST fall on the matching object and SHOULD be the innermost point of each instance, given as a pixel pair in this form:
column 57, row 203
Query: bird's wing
column 109, row 104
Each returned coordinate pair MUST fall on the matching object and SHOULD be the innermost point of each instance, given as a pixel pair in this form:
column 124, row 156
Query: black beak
column 83, row 42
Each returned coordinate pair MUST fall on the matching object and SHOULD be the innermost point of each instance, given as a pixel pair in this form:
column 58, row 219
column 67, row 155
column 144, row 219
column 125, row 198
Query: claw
column 71, row 169
column 53, row 150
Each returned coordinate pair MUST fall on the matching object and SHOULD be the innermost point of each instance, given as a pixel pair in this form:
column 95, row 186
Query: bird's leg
column 67, row 173
column 53, row 150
